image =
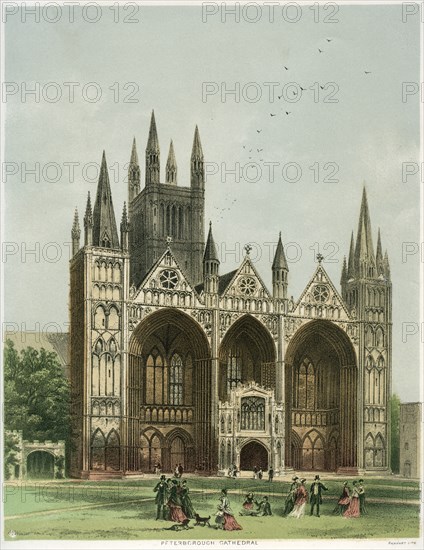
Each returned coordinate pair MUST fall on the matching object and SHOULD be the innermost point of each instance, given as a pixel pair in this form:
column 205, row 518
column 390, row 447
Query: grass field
column 125, row 510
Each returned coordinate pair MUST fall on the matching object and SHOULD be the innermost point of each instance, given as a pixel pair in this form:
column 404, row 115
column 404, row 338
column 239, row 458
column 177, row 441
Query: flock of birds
column 284, row 112
column 256, row 151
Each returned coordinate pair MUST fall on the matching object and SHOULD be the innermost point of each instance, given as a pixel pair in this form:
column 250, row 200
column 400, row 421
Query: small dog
column 202, row 521
column 179, row 526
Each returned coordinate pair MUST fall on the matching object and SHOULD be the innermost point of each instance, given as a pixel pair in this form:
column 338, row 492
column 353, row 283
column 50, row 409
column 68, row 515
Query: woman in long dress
column 300, row 501
column 225, row 516
column 344, row 500
column 176, row 513
column 353, row 508
column 186, row 503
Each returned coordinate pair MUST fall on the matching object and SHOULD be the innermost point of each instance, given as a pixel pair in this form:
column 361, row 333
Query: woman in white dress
column 300, row 502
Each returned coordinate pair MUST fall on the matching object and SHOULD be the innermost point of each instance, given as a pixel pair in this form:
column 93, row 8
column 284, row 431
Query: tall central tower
column 165, row 211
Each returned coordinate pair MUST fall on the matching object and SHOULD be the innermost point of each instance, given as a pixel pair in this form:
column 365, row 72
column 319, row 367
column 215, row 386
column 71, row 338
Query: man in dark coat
column 291, row 497
column 315, row 493
column 264, row 507
column 361, row 490
column 161, row 497
column 270, row 474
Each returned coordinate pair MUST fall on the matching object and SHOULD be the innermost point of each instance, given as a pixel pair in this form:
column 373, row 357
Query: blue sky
column 169, row 54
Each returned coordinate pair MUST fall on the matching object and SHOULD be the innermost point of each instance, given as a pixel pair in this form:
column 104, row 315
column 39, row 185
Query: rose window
column 168, row 279
column 247, row 285
column 321, row 293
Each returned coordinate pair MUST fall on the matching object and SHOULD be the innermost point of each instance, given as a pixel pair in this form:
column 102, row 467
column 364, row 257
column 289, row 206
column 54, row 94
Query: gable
column 246, row 283
column 166, row 276
column 321, row 299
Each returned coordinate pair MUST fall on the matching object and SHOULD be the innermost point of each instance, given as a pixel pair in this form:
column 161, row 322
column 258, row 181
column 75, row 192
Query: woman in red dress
column 353, row 509
column 344, row 501
column 176, row 513
column 228, row 521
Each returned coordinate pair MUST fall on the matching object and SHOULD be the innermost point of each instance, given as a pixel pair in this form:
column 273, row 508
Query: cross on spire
column 248, row 249
column 320, row 257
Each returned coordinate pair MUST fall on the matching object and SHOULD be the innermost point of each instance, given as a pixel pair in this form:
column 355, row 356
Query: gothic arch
column 170, row 331
column 247, row 352
column 332, row 390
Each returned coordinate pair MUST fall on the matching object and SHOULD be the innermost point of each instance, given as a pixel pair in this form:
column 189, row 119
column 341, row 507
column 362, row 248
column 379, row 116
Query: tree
column 36, row 394
column 395, row 434
column 11, row 450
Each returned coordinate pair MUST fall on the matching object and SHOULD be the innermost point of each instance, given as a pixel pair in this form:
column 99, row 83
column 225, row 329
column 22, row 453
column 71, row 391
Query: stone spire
column 76, row 233
column 88, row 223
column 351, row 261
column 133, row 174
column 343, row 277
column 386, row 266
column 104, row 223
column 125, row 226
column 364, row 252
column 379, row 256
column 280, row 261
column 210, row 254
column 279, row 272
column 171, row 166
column 152, row 154
column 197, row 165
column 210, row 266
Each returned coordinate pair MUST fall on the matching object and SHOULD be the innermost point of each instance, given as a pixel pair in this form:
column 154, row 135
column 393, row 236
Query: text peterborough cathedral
column 174, row 362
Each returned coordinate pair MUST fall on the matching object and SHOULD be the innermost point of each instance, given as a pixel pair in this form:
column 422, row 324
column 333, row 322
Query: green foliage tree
column 36, row 394
column 395, row 433
column 11, row 450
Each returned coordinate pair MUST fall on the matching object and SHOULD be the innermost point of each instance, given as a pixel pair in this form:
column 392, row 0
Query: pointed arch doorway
column 253, row 454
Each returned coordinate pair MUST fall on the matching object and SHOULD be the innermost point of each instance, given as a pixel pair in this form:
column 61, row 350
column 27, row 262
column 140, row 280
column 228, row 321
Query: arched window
column 154, row 386
column 98, row 450
column 253, row 413
column 305, row 391
column 99, row 317
column 176, row 378
column 234, row 364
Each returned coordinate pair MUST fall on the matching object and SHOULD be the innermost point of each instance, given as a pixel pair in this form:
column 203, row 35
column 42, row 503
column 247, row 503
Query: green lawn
column 121, row 510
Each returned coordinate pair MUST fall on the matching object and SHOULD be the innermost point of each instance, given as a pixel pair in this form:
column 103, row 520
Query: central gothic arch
column 321, row 388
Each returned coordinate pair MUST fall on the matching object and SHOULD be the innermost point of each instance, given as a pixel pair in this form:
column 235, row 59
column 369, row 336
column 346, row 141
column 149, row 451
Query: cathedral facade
column 173, row 362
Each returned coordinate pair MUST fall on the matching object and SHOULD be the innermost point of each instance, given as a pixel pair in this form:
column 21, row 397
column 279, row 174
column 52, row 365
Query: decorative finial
column 248, row 249
column 320, row 257
column 168, row 240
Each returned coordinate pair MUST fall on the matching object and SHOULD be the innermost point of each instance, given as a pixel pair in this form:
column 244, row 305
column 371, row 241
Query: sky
column 348, row 128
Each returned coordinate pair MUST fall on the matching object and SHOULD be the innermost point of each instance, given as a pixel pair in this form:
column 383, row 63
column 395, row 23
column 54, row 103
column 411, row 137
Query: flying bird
column 322, row 87
column 367, row 72
column 272, row 114
column 280, row 96
column 329, row 39
column 320, row 51
column 259, row 131
column 288, row 112
column 286, row 68
column 259, row 150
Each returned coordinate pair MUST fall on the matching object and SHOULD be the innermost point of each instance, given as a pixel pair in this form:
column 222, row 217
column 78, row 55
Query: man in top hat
column 316, row 494
column 161, row 498
column 291, row 497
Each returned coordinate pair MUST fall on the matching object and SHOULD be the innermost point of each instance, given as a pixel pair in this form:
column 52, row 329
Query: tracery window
column 305, row 389
column 176, row 380
column 234, row 364
column 253, row 413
